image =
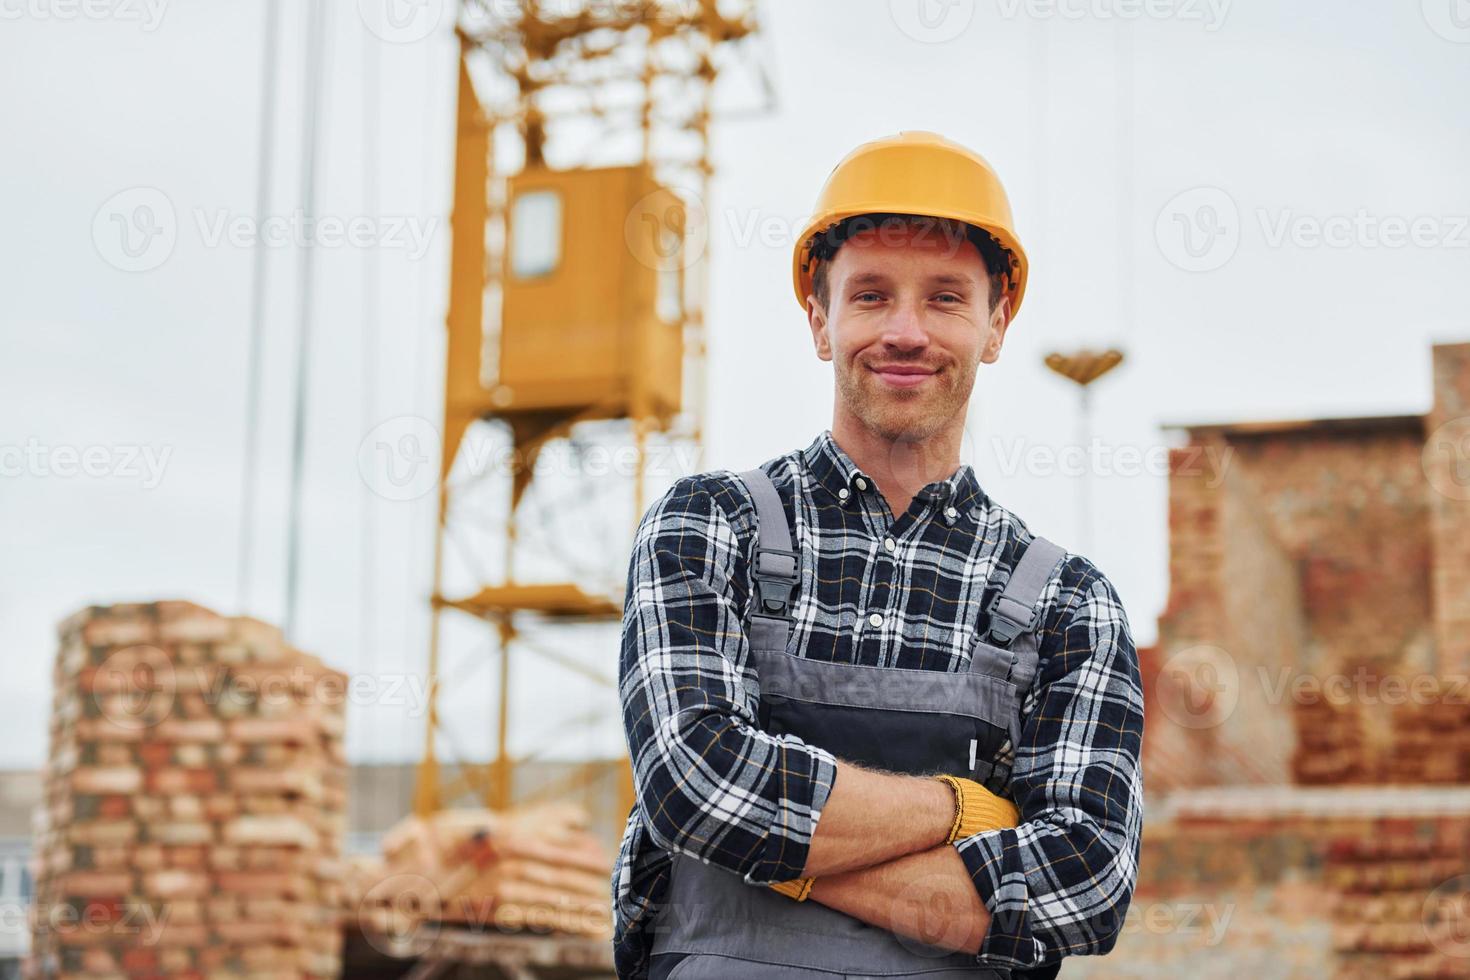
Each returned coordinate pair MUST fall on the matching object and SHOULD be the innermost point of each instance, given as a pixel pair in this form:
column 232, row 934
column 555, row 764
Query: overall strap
column 1014, row 612
column 773, row 570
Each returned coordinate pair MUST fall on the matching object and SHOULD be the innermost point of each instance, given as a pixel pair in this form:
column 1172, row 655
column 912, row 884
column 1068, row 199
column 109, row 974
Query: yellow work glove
column 977, row 809
column 797, row 888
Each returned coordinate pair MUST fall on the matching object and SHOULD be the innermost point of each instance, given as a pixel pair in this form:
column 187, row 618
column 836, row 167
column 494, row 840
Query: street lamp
column 1082, row 368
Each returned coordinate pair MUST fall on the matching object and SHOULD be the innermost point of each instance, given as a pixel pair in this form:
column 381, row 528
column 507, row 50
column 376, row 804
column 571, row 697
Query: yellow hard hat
column 914, row 173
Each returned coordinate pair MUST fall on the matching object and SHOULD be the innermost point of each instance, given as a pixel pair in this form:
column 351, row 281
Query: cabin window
column 535, row 246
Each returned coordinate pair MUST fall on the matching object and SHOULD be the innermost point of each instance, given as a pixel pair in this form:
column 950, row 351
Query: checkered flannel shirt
column 712, row 785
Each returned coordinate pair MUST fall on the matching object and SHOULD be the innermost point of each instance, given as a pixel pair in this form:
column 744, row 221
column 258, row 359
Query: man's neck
column 901, row 468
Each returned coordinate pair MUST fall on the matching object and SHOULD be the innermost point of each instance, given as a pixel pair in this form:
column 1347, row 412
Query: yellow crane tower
column 582, row 165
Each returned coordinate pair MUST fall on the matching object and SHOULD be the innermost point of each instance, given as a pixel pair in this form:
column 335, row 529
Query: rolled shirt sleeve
column 708, row 782
column 1060, row 883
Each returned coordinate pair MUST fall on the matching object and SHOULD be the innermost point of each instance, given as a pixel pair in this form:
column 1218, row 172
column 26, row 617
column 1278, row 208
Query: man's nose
column 904, row 326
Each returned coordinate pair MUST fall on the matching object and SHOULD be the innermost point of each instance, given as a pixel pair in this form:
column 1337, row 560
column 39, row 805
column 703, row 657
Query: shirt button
column 861, row 483
column 875, row 620
column 951, row 513
column 842, row 494
column 888, row 544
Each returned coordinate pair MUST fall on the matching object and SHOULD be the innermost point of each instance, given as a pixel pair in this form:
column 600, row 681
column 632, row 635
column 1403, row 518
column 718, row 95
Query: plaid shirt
column 712, row 785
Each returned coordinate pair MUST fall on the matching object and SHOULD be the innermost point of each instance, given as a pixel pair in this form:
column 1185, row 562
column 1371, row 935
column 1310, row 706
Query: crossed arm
column 713, row 785
column 880, row 854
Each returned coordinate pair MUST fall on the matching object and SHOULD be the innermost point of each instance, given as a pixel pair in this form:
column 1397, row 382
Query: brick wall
column 194, row 801
column 1233, row 618
column 1446, row 462
column 1286, row 882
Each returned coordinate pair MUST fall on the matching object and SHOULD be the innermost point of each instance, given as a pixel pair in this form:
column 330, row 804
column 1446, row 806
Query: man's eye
column 950, row 298
column 867, row 297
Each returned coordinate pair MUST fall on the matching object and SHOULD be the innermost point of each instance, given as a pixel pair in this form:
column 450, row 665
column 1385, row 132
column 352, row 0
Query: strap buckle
column 1009, row 619
column 775, row 577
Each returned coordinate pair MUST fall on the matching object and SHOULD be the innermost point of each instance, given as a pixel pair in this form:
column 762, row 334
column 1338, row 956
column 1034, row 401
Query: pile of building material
column 1431, row 735
column 1331, row 748
column 1425, row 740
column 195, row 801
column 1401, row 904
column 535, row 869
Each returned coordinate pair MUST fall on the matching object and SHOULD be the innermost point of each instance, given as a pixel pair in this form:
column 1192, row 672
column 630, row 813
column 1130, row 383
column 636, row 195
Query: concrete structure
column 1313, row 563
column 1307, row 742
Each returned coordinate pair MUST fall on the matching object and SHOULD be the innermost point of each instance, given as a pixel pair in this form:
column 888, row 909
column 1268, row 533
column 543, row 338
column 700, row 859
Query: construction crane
column 582, row 165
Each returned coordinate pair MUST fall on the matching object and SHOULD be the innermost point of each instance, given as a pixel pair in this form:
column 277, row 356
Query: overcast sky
column 1263, row 204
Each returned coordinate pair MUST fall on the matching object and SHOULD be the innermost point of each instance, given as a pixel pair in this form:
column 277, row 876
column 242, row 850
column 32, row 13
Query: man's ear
column 816, row 316
column 1000, row 318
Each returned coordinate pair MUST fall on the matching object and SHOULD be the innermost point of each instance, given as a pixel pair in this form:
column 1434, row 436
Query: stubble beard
column 905, row 416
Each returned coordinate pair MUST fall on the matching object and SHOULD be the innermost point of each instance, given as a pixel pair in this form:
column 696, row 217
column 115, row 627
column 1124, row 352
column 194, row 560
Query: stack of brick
column 535, row 870
column 1431, row 737
column 195, row 801
column 1330, row 745
column 1398, row 911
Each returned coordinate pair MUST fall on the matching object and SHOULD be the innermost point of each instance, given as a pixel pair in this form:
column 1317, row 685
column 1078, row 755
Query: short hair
column 824, row 245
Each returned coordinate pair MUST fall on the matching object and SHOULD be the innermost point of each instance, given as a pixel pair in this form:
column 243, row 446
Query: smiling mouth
column 903, row 376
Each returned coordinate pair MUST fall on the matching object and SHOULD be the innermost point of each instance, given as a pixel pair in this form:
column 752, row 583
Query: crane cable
column 264, row 166
column 371, row 269
column 310, row 142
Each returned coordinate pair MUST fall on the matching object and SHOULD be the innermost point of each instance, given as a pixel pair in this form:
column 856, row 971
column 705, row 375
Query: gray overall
column 711, row 923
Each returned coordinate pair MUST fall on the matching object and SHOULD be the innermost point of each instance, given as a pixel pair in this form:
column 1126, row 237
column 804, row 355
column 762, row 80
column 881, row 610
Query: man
column 878, row 727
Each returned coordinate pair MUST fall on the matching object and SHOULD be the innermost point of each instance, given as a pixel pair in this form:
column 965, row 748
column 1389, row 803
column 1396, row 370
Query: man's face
column 908, row 321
